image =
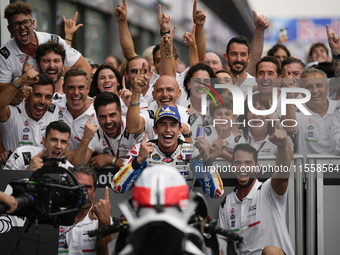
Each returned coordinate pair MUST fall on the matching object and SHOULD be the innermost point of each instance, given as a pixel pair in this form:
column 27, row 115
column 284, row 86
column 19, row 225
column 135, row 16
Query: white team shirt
column 313, row 133
column 259, row 218
column 264, row 147
column 12, row 58
column 20, row 130
column 119, row 146
column 21, row 158
column 77, row 125
column 249, row 82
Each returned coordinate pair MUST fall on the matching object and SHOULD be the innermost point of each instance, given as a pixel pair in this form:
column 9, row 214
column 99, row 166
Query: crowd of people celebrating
column 147, row 110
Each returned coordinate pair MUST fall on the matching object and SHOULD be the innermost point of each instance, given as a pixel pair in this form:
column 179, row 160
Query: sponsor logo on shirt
column 5, row 52
column 156, row 157
column 27, row 158
column 168, row 160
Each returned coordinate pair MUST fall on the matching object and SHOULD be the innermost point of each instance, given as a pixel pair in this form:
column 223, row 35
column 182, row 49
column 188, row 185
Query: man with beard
column 26, row 123
column 56, row 142
column 113, row 141
column 50, row 57
column 238, row 57
column 25, row 42
column 257, row 210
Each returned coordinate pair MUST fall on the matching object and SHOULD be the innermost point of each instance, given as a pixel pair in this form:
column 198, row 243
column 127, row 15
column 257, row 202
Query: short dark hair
column 238, row 39
column 194, row 69
column 60, row 126
column 86, row 169
column 94, row 90
column 75, row 71
column 245, row 147
column 272, row 60
column 45, row 80
column 106, row 98
column 17, row 8
column 48, row 47
column 275, row 48
column 134, row 58
column 291, row 60
column 315, row 45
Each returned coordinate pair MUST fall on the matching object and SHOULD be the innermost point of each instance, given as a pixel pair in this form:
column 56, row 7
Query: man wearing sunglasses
column 19, row 52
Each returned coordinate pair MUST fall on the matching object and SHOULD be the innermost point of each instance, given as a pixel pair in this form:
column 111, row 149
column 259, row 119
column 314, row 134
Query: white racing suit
column 182, row 159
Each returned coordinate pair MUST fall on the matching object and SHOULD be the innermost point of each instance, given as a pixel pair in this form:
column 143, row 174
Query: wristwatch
column 165, row 33
column 336, row 56
column 16, row 84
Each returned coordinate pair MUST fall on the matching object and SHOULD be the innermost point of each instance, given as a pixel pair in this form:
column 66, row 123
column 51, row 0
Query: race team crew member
column 56, row 142
column 169, row 150
column 257, row 210
column 25, row 41
column 25, row 124
column 111, row 141
column 74, row 239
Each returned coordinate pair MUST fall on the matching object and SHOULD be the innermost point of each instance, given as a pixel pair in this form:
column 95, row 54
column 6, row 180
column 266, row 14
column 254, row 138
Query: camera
column 52, row 195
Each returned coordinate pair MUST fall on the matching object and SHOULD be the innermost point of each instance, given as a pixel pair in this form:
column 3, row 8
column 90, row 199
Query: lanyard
column 261, row 146
column 108, row 143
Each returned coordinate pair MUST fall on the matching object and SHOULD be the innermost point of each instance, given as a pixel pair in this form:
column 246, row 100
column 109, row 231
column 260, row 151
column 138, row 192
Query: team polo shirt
column 259, row 218
column 119, row 146
column 21, row 130
column 232, row 140
column 249, row 82
column 21, row 158
column 12, row 58
column 313, row 134
column 124, row 108
column 148, row 116
column 77, row 125
column 264, row 147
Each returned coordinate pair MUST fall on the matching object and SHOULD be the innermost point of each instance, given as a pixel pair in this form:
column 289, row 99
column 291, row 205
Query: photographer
column 56, row 143
column 74, row 239
column 10, row 201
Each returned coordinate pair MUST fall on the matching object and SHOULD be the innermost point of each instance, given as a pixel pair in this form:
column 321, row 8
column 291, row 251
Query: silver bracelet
column 134, row 104
column 113, row 160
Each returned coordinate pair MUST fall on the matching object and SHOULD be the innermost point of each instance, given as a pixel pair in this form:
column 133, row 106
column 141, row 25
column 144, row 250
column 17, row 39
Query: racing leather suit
column 182, row 159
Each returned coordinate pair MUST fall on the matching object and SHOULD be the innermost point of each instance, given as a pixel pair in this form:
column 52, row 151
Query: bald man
column 165, row 93
column 214, row 61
